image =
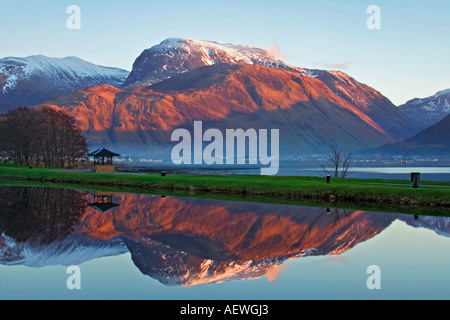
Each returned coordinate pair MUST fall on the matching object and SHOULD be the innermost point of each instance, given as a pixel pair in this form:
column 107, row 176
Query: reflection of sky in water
column 414, row 263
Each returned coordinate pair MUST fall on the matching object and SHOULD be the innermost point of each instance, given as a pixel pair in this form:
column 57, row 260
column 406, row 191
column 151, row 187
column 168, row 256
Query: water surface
column 131, row 246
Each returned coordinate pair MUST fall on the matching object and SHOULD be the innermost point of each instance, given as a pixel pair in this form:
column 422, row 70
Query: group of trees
column 41, row 136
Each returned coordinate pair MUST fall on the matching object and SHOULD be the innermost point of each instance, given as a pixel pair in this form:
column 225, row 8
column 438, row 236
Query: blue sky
column 407, row 58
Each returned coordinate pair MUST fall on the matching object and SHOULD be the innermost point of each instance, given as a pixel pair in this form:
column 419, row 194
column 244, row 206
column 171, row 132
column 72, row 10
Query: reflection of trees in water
column 39, row 214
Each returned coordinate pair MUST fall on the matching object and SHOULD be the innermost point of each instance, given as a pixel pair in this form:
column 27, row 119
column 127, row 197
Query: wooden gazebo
column 103, row 159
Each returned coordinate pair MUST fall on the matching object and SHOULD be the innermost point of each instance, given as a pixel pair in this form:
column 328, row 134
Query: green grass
column 364, row 193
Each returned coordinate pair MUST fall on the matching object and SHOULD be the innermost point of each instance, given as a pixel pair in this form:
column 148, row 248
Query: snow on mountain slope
column 428, row 111
column 73, row 250
column 440, row 225
column 35, row 79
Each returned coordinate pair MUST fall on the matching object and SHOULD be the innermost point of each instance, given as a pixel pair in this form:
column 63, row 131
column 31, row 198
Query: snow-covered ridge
column 73, row 250
column 214, row 52
column 442, row 92
column 440, row 225
column 428, row 110
column 439, row 94
column 71, row 65
column 62, row 71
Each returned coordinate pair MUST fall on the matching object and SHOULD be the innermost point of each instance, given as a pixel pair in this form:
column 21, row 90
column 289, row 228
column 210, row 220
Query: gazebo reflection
column 102, row 201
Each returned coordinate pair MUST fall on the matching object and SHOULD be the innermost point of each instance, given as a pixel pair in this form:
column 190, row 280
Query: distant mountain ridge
column 35, row 79
column 432, row 141
column 428, row 111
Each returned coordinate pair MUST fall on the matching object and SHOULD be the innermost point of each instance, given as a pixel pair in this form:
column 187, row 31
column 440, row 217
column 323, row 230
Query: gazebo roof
column 103, row 207
column 102, row 152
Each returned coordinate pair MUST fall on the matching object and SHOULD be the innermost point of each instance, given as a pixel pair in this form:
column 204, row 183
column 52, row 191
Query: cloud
column 275, row 51
column 333, row 66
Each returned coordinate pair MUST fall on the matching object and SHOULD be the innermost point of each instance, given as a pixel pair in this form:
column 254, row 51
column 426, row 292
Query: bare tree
column 337, row 163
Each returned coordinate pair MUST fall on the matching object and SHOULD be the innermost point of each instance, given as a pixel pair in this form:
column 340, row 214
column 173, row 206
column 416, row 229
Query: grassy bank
column 363, row 192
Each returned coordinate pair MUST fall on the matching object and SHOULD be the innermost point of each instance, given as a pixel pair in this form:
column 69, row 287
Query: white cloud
column 275, row 51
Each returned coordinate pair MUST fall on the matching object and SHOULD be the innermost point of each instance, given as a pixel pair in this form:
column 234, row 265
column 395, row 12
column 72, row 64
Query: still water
column 134, row 246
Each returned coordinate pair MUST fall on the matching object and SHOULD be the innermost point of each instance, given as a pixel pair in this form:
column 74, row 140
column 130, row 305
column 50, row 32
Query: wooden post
column 413, row 174
column 415, row 178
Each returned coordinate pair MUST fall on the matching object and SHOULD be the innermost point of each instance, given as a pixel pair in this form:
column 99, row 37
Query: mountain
column 309, row 115
column 433, row 141
column 229, row 87
column 35, row 79
column 178, row 55
column 428, row 111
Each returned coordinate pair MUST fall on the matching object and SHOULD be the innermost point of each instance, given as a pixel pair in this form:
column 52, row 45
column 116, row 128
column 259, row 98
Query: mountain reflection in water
column 179, row 241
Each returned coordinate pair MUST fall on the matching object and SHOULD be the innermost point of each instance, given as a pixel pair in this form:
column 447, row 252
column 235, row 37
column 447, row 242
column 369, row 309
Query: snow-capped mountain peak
column 178, row 55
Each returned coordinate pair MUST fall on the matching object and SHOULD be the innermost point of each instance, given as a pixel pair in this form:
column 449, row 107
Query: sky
column 407, row 57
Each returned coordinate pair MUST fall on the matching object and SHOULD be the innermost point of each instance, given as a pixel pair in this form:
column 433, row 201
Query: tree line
column 41, row 136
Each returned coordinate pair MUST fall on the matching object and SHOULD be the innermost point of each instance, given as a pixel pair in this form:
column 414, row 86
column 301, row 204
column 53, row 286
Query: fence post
column 415, row 178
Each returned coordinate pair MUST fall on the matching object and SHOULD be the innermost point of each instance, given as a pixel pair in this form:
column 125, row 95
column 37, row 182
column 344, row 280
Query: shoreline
column 373, row 193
